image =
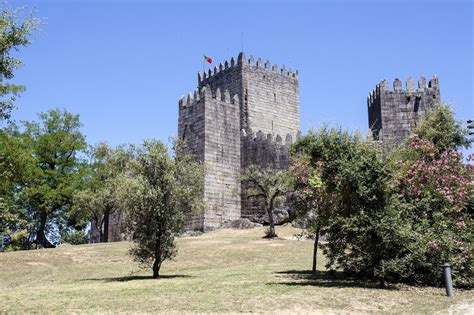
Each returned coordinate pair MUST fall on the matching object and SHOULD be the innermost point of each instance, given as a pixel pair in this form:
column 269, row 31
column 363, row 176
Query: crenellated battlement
column 206, row 93
column 265, row 150
column 233, row 65
column 394, row 113
column 397, row 87
column 260, row 136
column 259, row 65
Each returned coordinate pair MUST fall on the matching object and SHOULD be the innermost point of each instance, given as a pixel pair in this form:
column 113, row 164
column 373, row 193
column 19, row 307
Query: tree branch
column 256, row 195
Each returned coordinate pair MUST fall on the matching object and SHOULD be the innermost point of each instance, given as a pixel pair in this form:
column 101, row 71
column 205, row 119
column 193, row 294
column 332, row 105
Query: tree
column 159, row 193
column 266, row 183
column 100, row 199
column 349, row 186
column 16, row 166
column 14, row 33
column 98, row 205
column 56, row 144
column 389, row 217
column 441, row 128
column 312, row 200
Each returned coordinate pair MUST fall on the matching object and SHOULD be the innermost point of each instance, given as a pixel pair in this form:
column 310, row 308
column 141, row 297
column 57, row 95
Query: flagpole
column 203, row 66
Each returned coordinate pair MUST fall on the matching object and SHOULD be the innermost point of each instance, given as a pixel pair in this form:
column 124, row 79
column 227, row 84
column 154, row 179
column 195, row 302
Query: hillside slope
column 221, row 271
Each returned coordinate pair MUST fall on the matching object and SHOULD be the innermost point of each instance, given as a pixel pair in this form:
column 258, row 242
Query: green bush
column 351, row 179
column 18, row 240
column 388, row 217
column 75, row 237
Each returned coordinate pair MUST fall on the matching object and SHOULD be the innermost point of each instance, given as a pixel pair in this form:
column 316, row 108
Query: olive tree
column 159, row 191
column 267, row 184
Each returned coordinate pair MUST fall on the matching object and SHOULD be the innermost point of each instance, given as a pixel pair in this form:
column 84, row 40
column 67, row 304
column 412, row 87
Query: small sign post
column 448, row 281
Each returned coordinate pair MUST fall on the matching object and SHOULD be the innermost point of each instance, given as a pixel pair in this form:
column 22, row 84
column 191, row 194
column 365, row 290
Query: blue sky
column 122, row 65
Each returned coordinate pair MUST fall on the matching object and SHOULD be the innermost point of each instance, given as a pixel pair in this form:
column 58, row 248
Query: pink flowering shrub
column 436, row 190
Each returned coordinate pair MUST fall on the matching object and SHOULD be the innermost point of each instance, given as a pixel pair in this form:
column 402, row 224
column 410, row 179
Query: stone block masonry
column 242, row 113
column 209, row 123
column 394, row 114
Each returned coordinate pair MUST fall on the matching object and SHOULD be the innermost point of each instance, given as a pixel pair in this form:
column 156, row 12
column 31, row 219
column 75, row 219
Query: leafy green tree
column 441, row 128
column 268, row 184
column 159, row 193
column 390, row 217
column 15, row 31
column 311, row 199
column 16, row 167
column 56, row 143
column 363, row 229
column 100, row 199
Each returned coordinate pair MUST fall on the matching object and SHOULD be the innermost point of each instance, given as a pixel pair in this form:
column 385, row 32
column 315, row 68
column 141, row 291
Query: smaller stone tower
column 393, row 115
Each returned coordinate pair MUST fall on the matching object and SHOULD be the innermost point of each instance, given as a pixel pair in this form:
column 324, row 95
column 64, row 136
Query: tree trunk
column 156, row 268
column 157, row 263
column 99, row 228
column 41, row 237
column 106, row 226
column 315, row 249
column 270, row 221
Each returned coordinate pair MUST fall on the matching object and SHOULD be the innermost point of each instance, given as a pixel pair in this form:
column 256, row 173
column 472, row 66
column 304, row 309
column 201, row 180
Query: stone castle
column 248, row 113
column 242, row 113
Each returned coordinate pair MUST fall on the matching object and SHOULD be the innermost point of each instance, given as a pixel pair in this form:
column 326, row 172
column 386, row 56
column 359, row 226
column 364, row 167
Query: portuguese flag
column 208, row 59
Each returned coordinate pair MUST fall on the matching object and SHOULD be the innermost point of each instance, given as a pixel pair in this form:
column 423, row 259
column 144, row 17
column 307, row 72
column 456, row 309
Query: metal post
column 470, row 128
column 448, row 281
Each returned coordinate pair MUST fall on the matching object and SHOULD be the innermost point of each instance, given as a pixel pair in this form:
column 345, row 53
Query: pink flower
column 461, row 224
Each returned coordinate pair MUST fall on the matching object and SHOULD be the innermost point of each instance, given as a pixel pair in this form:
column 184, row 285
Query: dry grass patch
column 220, row 271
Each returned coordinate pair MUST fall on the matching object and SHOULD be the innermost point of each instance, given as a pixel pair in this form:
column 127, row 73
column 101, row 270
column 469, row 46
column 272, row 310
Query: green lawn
column 221, row 271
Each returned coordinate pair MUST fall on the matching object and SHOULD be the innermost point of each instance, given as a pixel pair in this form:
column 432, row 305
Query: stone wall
column 263, row 151
column 394, row 114
column 116, row 233
column 272, row 98
column 209, row 123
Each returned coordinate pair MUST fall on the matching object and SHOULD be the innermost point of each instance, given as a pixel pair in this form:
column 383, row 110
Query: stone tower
column 393, row 115
column 242, row 113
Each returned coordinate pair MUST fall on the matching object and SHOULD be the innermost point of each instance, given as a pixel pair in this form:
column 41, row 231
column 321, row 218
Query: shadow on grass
column 131, row 278
column 326, row 279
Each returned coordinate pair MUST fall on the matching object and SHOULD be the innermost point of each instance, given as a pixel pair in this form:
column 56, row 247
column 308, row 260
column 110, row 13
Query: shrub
column 434, row 190
column 387, row 217
column 75, row 237
column 348, row 184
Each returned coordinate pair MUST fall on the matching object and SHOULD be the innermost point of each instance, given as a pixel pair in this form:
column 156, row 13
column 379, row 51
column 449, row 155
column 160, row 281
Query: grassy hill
column 221, row 271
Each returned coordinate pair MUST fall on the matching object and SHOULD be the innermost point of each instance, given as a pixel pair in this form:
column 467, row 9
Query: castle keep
column 242, row 113
column 393, row 114
column 248, row 113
